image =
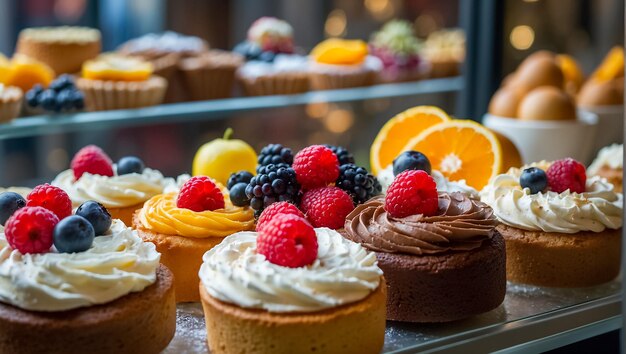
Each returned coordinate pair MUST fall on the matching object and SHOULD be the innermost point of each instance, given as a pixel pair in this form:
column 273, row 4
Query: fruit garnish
column 511, row 156
column 273, row 183
column 397, row 132
column 411, row 160
column 612, row 66
column 238, row 195
column 97, row 215
column 275, row 209
column 115, row 67
column 272, row 35
column 200, row 193
column 25, row 73
column 73, row 234
column 567, row 174
column 572, row 73
column 534, row 179
column 221, row 157
column 340, row 52
column 10, row 202
column 316, row 166
column 61, row 95
column 239, row 177
column 91, row 159
column 52, row 198
column 358, row 183
column 289, row 241
column 30, row 229
column 412, row 192
column 326, row 207
column 460, row 149
column 130, row 164
column 275, row 154
column 5, row 67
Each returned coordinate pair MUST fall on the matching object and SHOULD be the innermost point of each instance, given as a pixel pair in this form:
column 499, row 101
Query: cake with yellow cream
column 183, row 231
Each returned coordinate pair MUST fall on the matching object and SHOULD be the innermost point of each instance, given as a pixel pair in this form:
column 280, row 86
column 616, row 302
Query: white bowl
column 610, row 125
column 549, row 140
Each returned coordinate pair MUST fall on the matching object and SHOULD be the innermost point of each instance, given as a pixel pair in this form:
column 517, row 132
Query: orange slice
column 340, row 51
column 5, row 67
column 397, row 132
column 461, row 149
column 572, row 73
column 25, row 72
column 113, row 67
column 612, row 66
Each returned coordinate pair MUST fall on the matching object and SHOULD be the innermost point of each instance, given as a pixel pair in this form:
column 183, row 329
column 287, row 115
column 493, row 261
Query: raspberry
column 200, row 193
column 343, row 155
column 274, row 209
column 412, row 192
column 567, row 174
column 30, row 229
column 316, row 166
column 93, row 160
column 288, row 240
column 326, row 207
column 52, row 198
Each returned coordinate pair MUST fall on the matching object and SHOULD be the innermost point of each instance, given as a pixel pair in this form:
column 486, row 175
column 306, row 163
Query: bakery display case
column 175, row 75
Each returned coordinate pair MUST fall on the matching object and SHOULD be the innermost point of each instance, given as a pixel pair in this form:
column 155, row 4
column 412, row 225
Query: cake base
column 357, row 328
column 446, row 287
column 182, row 255
column 125, row 214
column 141, row 322
column 562, row 260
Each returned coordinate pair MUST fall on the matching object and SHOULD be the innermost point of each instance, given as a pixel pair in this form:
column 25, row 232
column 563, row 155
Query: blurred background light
column 522, row 37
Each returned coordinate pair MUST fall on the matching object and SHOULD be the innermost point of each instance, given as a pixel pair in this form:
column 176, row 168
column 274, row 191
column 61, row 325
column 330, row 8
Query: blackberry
column 275, row 154
column 343, row 155
column 239, row 177
column 358, row 183
column 273, row 183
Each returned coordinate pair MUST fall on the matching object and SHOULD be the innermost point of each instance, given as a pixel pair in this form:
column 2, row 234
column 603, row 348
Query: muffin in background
column 400, row 52
column 210, row 75
column 444, row 50
column 609, row 164
column 10, row 102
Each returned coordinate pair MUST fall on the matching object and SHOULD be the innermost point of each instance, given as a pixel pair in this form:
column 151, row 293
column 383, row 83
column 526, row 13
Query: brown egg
column 600, row 93
column 508, row 80
column 541, row 71
column 504, row 102
column 547, row 103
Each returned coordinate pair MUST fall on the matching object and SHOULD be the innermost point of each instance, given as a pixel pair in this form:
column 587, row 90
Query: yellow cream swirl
column 160, row 214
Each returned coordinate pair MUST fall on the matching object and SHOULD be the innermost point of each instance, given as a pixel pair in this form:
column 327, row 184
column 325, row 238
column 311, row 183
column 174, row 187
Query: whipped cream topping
column 344, row 272
column 598, row 208
column 166, row 42
column 611, row 156
column 386, row 177
column 283, row 63
column 118, row 191
column 117, row 264
column 271, row 27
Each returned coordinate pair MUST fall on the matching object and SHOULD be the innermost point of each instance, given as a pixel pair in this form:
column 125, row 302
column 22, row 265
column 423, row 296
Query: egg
column 540, row 71
column 504, row 102
column 547, row 103
column 600, row 93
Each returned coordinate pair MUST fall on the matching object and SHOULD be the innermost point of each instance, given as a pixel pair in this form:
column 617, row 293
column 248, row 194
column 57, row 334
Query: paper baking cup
column 108, row 95
column 338, row 80
column 10, row 105
column 278, row 84
column 205, row 83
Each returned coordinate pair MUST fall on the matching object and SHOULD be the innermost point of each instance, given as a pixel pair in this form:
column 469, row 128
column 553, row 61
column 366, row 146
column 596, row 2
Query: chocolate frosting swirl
column 461, row 224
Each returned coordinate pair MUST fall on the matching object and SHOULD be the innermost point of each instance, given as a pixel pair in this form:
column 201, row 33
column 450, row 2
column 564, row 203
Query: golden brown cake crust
column 182, row 255
column 141, row 322
column 353, row 328
column 103, row 95
column 562, row 260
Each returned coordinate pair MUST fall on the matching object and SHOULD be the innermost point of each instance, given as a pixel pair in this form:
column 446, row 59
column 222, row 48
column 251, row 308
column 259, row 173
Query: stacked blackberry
column 358, row 183
column 273, row 183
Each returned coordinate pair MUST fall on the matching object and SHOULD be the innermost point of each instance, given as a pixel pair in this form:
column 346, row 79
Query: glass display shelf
column 213, row 109
column 530, row 320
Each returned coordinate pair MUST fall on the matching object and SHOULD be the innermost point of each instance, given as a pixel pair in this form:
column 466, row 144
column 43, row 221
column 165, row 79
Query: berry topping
column 30, row 229
column 91, row 159
column 275, row 154
column 326, row 207
column 239, row 177
column 273, row 183
column 52, row 198
column 288, row 240
column 32, row 96
column 279, row 208
column 130, row 164
column 61, row 95
column 249, row 50
column 48, row 100
column 359, row 184
column 73, row 234
column 343, row 155
column 238, row 195
column 97, row 215
column 316, row 166
column 534, row 179
column 412, row 192
column 200, row 193
column 10, row 202
column 567, row 174
column 62, row 83
column 411, row 160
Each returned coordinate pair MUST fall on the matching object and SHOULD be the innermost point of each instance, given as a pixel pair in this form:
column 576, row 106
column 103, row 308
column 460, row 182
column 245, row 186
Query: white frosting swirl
column 118, row 191
column 283, row 63
column 386, row 177
column 598, row 208
column 344, row 272
column 117, row 264
column 611, row 156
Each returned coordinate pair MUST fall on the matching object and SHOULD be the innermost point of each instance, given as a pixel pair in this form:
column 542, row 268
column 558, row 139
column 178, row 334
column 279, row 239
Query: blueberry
column 534, row 179
column 10, row 202
column 62, row 83
column 411, row 160
column 130, row 164
column 78, row 99
column 47, row 100
column 97, row 215
column 254, row 51
column 242, row 48
column 267, row 57
column 64, row 100
column 32, row 96
column 239, row 177
column 73, row 234
column 238, row 195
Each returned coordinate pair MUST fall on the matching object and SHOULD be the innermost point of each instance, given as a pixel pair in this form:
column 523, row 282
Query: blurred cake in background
column 210, row 75
column 399, row 50
column 10, row 102
column 609, row 164
column 445, row 51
